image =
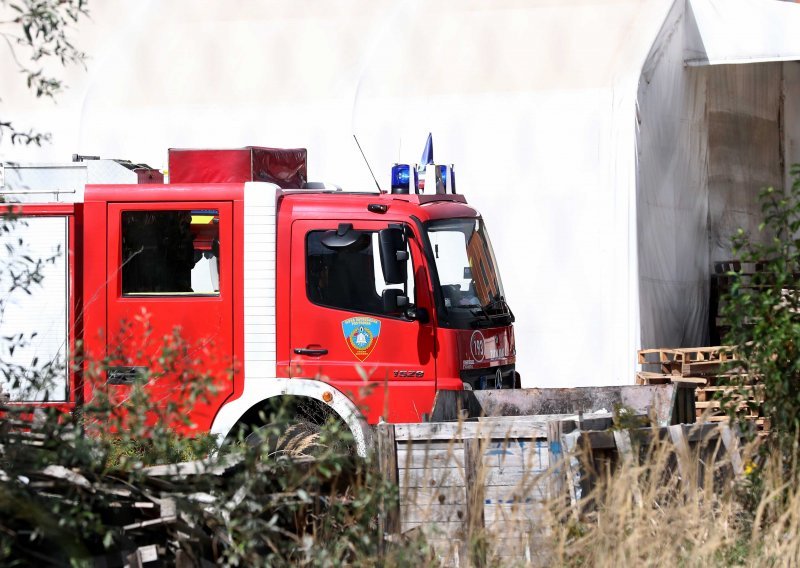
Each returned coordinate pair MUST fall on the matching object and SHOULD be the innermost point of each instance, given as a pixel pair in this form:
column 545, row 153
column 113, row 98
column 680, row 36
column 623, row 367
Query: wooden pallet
column 688, row 362
column 726, row 267
column 711, row 370
column 668, row 361
column 708, row 393
column 761, row 423
column 714, row 407
column 648, row 378
column 748, row 401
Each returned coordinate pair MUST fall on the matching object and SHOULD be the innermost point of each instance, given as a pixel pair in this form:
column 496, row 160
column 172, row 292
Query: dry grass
column 654, row 511
column 656, row 514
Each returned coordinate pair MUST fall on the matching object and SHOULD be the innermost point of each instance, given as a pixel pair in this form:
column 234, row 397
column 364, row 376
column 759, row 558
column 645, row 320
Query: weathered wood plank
column 453, row 477
column 700, row 432
column 569, row 443
column 454, row 533
column 523, row 453
column 694, row 433
column 532, row 492
column 497, row 453
column 625, row 449
column 196, row 467
column 521, row 428
column 448, row 551
column 555, row 456
column 387, row 460
column 496, row 515
column 493, row 495
column 731, row 442
column 416, row 446
column 475, row 478
column 682, row 453
column 434, row 530
column 423, row 497
column 434, row 513
column 423, row 458
column 519, row 545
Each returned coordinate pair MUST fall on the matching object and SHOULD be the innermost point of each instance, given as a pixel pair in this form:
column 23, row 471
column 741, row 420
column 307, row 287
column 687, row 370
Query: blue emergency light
column 435, row 178
column 448, row 175
column 439, row 179
column 407, row 178
column 404, row 179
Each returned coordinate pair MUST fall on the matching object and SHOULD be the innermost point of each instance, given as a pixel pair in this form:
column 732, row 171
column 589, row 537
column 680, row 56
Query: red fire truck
column 361, row 304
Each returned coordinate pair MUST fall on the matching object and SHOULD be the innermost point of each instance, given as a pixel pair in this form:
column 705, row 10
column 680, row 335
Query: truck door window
column 170, row 253
column 348, row 278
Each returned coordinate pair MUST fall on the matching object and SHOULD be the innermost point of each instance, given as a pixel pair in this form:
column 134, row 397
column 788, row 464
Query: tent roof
column 742, row 31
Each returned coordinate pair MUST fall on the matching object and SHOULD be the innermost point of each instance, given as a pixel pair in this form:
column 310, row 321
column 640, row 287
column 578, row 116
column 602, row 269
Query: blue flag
column 427, row 153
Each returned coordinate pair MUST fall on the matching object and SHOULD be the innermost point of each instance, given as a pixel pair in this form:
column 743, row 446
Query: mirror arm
column 415, row 313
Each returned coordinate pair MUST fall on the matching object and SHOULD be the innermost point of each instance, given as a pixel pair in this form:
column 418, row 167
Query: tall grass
column 656, row 513
column 653, row 513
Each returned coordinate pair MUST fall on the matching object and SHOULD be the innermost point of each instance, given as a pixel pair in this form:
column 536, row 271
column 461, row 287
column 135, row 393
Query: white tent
column 590, row 133
column 717, row 120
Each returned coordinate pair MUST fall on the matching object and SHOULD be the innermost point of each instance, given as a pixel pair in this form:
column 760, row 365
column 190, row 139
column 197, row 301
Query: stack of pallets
column 709, row 369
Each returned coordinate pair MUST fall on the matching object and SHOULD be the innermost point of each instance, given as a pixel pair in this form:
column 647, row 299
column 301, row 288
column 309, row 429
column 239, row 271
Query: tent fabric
column 709, row 138
column 742, row 31
column 672, row 197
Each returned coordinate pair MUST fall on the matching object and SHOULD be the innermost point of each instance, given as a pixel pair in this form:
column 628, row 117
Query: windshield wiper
column 499, row 301
column 480, row 311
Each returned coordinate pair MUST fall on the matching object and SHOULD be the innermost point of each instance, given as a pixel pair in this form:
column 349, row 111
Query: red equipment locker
column 285, row 168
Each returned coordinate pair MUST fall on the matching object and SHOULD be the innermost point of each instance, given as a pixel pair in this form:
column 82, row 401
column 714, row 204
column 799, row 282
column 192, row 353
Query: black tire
column 298, row 438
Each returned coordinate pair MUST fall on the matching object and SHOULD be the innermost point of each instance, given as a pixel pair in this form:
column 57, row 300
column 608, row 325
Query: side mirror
column 418, row 314
column 394, row 256
column 394, row 302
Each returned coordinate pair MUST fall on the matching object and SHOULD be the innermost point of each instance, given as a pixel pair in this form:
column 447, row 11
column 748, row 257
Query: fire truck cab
column 361, row 304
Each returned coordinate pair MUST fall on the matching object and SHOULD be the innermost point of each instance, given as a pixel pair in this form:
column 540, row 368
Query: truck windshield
column 471, row 293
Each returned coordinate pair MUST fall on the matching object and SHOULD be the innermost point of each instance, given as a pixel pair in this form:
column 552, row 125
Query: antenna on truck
column 367, row 162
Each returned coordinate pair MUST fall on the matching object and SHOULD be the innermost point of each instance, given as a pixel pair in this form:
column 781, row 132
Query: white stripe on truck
column 259, row 279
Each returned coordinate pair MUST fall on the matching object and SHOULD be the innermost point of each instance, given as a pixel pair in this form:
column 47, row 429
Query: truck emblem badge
column 477, row 345
column 361, row 335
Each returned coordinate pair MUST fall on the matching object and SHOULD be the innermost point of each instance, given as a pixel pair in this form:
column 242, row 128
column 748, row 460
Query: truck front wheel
column 298, row 438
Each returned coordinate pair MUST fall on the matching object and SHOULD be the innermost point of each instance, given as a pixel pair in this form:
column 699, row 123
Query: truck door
column 340, row 332
column 170, row 303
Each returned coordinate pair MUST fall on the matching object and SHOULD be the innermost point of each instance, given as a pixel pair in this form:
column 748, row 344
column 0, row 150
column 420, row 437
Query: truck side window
column 348, row 278
column 170, row 253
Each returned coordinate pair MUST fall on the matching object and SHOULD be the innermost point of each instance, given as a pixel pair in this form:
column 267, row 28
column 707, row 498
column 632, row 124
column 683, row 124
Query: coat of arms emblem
column 361, row 335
